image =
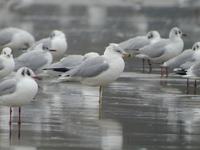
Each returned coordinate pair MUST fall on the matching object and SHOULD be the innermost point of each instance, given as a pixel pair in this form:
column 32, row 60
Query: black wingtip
column 181, row 72
column 58, row 69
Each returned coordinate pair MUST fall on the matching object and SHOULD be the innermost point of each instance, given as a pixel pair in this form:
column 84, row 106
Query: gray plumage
column 6, row 36
column 89, row 68
column 8, row 87
column 180, row 60
column 68, row 62
column 32, row 59
column 155, row 50
column 1, row 65
column 135, row 43
column 45, row 41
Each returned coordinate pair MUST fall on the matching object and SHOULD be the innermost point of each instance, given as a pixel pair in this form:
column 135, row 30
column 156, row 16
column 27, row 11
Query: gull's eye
column 23, row 72
column 118, row 51
column 176, row 32
column 197, row 46
column 179, row 32
column 28, row 73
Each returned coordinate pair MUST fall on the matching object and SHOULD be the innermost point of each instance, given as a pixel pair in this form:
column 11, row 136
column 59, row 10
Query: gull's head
column 57, row 33
column 25, row 72
column 7, row 52
column 153, row 35
column 175, row 32
column 46, row 46
column 196, row 46
column 115, row 50
column 23, row 40
column 90, row 55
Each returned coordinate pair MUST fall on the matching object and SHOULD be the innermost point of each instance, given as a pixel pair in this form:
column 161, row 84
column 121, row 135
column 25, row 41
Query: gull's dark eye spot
column 23, row 72
column 28, row 73
column 118, row 51
column 176, row 32
column 179, row 32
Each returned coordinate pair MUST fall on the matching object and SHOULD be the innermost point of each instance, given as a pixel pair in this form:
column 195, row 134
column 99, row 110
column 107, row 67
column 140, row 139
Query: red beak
column 37, row 77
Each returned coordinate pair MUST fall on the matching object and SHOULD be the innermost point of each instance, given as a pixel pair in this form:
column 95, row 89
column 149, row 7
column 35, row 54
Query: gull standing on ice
column 134, row 44
column 165, row 49
column 100, row 70
column 18, row 90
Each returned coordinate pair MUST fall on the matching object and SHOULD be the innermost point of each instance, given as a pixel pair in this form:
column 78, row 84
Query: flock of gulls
column 23, row 61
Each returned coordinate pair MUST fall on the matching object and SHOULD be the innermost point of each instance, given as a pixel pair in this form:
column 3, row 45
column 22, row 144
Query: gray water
column 139, row 111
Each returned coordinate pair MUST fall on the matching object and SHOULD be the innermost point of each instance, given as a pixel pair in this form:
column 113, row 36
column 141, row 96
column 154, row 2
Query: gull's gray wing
column 6, row 36
column 177, row 61
column 46, row 41
column 90, row 67
column 8, row 87
column 155, row 50
column 31, row 59
column 134, row 43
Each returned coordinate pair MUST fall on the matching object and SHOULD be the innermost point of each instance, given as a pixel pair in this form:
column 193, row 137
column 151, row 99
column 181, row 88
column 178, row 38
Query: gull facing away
column 69, row 62
column 165, row 49
column 134, row 44
column 36, row 59
column 57, row 41
column 18, row 90
column 7, row 63
column 100, row 70
column 185, row 60
column 16, row 39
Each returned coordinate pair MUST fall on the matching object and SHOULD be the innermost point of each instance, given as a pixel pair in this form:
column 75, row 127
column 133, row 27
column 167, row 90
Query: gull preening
column 18, row 90
column 16, row 39
column 100, row 70
column 165, row 49
column 7, row 63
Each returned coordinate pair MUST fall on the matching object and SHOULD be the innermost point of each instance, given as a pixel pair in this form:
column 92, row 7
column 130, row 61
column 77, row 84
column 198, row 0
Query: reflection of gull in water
column 22, row 148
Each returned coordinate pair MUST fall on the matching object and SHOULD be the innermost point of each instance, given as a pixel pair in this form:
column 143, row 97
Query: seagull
column 16, row 39
column 100, row 70
column 184, row 61
column 57, row 41
column 69, row 62
column 134, row 44
column 7, row 63
column 36, row 59
column 138, row 42
column 18, row 90
column 165, row 49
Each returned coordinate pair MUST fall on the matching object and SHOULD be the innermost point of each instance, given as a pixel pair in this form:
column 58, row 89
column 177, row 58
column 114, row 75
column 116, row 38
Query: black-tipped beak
column 37, row 77
column 52, row 50
column 184, row 34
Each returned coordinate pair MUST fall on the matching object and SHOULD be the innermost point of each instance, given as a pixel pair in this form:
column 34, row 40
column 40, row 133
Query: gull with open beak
column 36, row 59
column 100, row 70
column 18, row 90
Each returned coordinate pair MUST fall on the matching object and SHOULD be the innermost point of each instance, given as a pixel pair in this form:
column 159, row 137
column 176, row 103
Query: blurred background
column 90, row 25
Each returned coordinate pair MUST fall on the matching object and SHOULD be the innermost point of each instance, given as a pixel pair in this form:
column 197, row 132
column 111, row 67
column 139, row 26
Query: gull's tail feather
column 58, row 69
column 180, row 71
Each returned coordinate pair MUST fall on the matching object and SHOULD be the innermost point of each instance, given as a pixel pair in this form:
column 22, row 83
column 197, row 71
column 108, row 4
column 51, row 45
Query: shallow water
column 140, row 111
